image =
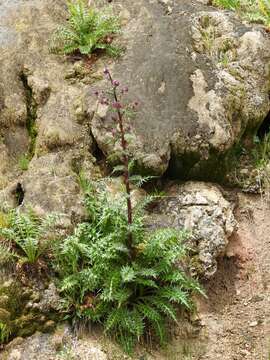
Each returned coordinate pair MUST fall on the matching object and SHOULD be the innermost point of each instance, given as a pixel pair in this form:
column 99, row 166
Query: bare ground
column 236, row 316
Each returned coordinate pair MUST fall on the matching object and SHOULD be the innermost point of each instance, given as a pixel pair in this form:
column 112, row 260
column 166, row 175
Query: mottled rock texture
column 60, row 345
column 42, row 115
column 201, row 78
column 202, row 210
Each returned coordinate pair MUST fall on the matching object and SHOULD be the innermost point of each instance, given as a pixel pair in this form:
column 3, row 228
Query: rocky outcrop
column 43, row 114
column 202, row 80
column 60, row 345
column 201, row 210
column 25, row 309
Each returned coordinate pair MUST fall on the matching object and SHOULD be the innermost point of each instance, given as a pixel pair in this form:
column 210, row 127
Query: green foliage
column 131, row 294
column 22, row 236
column 252, row 10
column 24, row 162
column 87, row 30
column 261, row 151
column 4, row 333
column 264, row 10
column 228, row 4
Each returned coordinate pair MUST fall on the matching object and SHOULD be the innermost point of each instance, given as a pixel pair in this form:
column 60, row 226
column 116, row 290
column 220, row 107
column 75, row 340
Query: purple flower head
column 104, row 101
column 116, row 83
column 96, row 93
column 106, row 71
column 116, row 105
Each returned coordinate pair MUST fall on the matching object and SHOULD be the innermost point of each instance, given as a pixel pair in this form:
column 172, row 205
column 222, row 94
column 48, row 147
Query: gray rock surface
column 34, row 89
column 202, row 79
column 202, row 210
column 60, row 345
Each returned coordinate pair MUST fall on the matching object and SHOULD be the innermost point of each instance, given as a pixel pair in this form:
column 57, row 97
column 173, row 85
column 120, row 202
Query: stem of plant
column 120, row 121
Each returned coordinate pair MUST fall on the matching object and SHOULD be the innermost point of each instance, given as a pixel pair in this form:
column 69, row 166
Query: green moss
column 31, row 107
column 24, row 162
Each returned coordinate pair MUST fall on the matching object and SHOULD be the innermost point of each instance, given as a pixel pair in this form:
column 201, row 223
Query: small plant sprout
column 24, row 237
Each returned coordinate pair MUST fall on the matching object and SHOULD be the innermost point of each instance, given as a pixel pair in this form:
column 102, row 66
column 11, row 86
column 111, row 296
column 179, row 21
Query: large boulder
column 201, row 78
column 42, row 112
column 202, row 210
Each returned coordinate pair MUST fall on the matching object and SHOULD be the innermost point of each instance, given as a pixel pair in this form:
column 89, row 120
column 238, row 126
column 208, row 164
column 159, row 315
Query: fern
column 99, row 281
column 4, row 333
column 23, row 236
column 87, row 30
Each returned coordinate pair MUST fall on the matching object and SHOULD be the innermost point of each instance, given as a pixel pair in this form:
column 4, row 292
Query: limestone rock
column 202, row 210
column 201, row 78
column 43, row 115
column 42, row 347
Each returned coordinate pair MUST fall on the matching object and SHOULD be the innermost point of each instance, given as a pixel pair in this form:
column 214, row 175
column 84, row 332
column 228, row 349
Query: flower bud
column 116, row 105
column 116, row 83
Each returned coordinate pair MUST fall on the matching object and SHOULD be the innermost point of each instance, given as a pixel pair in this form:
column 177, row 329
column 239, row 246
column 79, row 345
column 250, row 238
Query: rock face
column 202, row 79
column 202, row 210
column 42, row 115
column 25, row 309
column 60, row 345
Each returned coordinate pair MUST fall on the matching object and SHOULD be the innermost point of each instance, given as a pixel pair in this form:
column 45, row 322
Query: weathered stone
column 42, row 347
column 202, row 210
column 50, row 299
column 51, row 185
column 202, row 80
column 41, row 112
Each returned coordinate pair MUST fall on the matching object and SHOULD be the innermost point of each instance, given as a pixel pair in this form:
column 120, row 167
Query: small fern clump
column 22, row 237
column 132, row 295
column 88, row 29
column 4, row 333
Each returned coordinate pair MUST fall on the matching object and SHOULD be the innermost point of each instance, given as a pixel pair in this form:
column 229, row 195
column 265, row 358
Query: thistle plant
column 113, row 270
column 121, row 131
column 24, row 237
column 4, row 333
column 87, row 30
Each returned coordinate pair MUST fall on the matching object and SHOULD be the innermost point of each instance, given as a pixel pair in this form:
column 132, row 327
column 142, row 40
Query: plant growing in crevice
column 87, row 30
column 4, row 333
column 115, row 271
column 31, row 108
column 24, row 162
column 25, row 238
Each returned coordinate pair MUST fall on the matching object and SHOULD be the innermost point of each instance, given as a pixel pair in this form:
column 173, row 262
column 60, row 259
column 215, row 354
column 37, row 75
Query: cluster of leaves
column 261, row 151
column 4, row 333
column 22, row 236
column 252, row 10
column 87, row 30
column 132, row 295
